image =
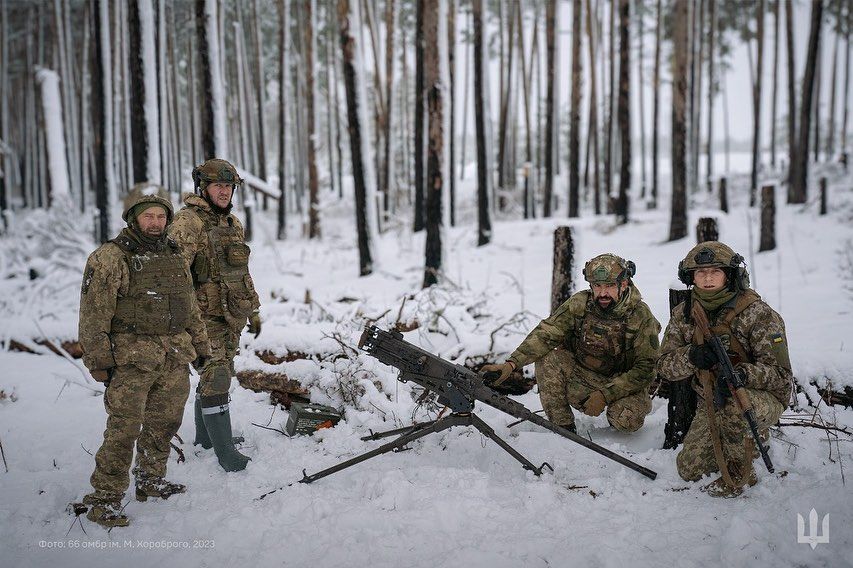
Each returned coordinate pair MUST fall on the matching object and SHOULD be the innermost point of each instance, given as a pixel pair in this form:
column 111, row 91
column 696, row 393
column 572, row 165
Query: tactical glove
column 200, row 362
column 255, row 323
column 723, row 385
column 702, row 356
column 502, row 372
column 594, row 404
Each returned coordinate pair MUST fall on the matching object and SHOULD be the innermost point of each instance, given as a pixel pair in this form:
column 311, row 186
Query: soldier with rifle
column 732, row 345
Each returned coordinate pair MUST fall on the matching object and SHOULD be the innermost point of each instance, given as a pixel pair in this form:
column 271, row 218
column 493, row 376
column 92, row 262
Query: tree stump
column 768, row 218
column 724, row 195
column 706, row 230
column 564, row 259
column 681, row 406
column 823, row 196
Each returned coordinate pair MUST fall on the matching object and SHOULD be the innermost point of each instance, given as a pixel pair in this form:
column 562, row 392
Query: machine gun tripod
column 457, row 388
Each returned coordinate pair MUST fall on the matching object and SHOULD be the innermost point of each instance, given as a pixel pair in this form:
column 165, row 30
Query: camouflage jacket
column 629, row 369
column 106, row 278
column 759, row 330
column 191, row 229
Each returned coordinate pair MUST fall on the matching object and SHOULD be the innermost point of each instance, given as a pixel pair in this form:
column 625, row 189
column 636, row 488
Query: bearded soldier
column 213, row 244
column 596, row 351
column 139, row 328
column 754, row 337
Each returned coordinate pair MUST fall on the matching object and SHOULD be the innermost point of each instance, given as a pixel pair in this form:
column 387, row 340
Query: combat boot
column 217, row 421
column 107, row 511
column 742, row 473
column 201, row 437
column 153, row 486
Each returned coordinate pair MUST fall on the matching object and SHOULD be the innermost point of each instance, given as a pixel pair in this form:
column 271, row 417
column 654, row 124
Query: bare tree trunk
column 313, row 177
column 622, row 205
column 642, row 87
column 339, row 165
column 5, row 95
column 484, row 223
column 101, row 93
column 792, row 98
column 696, row 120
column 208, row 66
column 451, row 60
column 816, row 122
column 330, row 85
column 712, row 88
column 756, row 105
column 389, row 101
column 435, row 149
column 846, row 79
column 563, row 266
column 593, row 105
column 775, row 82
column 653, row 202
column 768, row 218
column 139, row 132
column 526, row 72
column 505, row 102
column 466, row 89
column 830, row 142
column 801, row 167
column 348, row 48
column 611, row 98
column 550, row 42
column 575, row 118
column 283, row 68
column 678, row 218
column 419, row 118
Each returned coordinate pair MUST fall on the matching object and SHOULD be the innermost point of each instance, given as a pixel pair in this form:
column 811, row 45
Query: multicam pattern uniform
column 760, row 331
column 147, row 356
column 582, row 348
column 214, row 247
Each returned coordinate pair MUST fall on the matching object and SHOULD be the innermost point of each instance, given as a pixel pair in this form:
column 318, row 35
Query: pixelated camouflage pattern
column 634, row 370
column 147, row 193
column 722, row 255
column 564, row 384
column 696, row 457
column 106, row 278
column 215, row 377
column 758, row 328
column 605, row 269
column 216, row 170
column 144, row 408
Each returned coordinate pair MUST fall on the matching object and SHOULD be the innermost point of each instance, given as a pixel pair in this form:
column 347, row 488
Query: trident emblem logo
column 813, row 538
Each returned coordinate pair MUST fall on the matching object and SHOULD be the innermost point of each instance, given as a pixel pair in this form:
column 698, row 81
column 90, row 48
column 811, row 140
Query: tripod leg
column 436, row 426
column 404, row 430
column 487, row 430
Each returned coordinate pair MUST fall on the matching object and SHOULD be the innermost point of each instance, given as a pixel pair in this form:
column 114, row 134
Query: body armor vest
column 601, row 345
column 225, row 265
column 158, row 297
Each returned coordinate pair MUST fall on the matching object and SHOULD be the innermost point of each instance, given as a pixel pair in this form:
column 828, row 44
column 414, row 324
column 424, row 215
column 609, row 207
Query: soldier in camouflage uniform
column 213, row 244
column 596, row 351
column 139, row 328
column 754, row 335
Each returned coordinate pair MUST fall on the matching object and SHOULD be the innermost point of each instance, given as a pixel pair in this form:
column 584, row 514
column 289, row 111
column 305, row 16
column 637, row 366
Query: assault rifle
column 733, row 379
column 457, row 388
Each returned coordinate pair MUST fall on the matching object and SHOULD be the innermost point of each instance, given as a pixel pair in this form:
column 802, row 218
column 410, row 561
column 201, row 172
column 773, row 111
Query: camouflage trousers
column 215, row 378
column 563, row 384
column 144, row 408
column 696, row 458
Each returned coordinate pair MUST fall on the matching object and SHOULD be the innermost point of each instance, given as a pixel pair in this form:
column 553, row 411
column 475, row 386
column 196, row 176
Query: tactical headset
column 736, row 272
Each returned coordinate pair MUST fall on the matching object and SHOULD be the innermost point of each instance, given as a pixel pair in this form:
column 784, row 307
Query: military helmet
column 608, row 269
column 714, row 254
column 146, row 192
column 215, row 170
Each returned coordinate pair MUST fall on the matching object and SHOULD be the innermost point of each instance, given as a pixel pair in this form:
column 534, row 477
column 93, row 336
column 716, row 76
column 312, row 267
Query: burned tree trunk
column 724, row 196
column 564, row 266
column 678, row 214
column 792, row 98
column 313, row 177
column 575, row 119
column 435, row 149
column 624, row 119
column 706, row 230
column 283, row 67
column 484, row 223
column 550, row 35
column 800, row 159
column 419, row 117
column 653, row 202
column 756, row 105
column 768, row 218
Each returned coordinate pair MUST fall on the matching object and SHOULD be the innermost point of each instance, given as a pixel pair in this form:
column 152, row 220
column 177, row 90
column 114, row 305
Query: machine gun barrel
column 458, row 386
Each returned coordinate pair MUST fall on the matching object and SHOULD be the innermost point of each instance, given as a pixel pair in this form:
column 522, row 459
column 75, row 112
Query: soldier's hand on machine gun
column 504, row 370
column 255, row 323
column 702, row 356
column 594, row 404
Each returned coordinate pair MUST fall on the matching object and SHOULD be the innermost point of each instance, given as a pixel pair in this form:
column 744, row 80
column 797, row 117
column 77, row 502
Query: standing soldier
column 754, row 337
column 213, row 244
column 597, row 350
column 139, row 328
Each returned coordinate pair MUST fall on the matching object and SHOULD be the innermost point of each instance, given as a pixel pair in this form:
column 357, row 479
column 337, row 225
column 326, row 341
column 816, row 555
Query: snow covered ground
column 455, row 499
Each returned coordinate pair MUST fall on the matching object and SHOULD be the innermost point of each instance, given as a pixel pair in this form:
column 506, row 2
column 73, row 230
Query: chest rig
column 722, row 328
column 602, row 344
column 221, row 272
column 158, row 296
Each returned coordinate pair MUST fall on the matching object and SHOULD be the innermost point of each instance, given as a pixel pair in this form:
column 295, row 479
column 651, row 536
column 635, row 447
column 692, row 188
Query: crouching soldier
column 139, row 328
column 719, row 439
column 214, row 246
column 597, row 351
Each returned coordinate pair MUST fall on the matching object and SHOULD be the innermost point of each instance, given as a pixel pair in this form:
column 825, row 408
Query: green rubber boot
column 201, row 437
column 217, row 422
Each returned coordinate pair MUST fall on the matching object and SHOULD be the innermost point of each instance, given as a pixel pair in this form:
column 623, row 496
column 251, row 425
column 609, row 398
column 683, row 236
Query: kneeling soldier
column 140, row 326
column 754, row 336
column 596, row 351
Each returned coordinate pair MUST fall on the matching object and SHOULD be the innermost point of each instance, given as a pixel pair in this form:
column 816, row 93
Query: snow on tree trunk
column 550, row 41
column 434, row 185
column 801, row 170
column 678, row 214
column 284, row 66
column 151, row 107
column 54, row 133
column 484, row 223
column 102, row 119
column 575, row 118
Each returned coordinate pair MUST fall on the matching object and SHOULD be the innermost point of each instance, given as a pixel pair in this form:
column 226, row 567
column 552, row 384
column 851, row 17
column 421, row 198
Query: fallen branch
column 2, row 453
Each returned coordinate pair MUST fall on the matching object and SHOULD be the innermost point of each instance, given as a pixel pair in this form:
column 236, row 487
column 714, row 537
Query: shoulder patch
column 780, row 350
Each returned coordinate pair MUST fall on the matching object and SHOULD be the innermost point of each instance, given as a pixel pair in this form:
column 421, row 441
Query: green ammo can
column 308, row 418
